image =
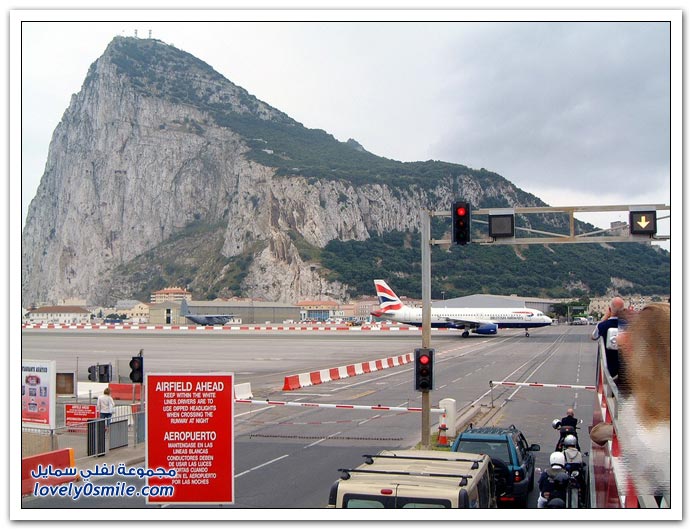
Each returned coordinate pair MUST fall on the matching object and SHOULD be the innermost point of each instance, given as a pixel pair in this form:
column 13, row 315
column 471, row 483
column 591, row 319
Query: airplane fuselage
column 515, row 317
column 485, row 321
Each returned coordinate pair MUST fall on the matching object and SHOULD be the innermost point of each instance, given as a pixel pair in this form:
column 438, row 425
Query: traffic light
column 461, row 222
column 643, row 222
column 105, row 373
column 93, row 373
column 423, row 369
column 137, row 367
column 501, row 223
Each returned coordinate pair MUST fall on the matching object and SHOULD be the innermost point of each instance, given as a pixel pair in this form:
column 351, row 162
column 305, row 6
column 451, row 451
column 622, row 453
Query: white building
column 59, row 314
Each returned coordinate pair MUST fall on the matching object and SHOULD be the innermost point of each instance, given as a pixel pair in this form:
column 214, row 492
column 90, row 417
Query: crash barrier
column 32, row 466
column 611, row 484
column 242, row 391
column 162, row 327
column 126, row 391
column 296, row 381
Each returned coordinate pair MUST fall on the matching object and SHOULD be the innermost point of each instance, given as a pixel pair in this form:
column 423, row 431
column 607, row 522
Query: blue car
column 513, row 459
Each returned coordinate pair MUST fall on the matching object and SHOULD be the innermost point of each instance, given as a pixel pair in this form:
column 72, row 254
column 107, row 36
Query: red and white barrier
column 158, row 327
column 294, row 382
column 334, row 406
column 546, row 385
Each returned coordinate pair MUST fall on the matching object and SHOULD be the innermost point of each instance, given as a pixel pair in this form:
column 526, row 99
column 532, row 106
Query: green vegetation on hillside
column 558, row 271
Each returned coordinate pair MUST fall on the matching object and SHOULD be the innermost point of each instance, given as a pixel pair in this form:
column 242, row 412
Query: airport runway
column 287, row 457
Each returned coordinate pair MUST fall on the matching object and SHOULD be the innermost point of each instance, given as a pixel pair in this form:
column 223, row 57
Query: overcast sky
column 577, row 113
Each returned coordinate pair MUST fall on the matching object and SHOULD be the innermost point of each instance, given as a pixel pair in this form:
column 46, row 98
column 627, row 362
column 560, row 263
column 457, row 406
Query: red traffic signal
column 461, row 222
column 423, row 369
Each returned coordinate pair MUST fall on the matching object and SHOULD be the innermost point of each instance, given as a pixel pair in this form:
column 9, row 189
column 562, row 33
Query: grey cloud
column 587, row 100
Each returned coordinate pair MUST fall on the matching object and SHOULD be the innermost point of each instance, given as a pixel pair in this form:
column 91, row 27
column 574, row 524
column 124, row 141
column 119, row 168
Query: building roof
column 231, row 304
column 317, row 303
column 172, row 290
column 491, row 300
column 59, row 309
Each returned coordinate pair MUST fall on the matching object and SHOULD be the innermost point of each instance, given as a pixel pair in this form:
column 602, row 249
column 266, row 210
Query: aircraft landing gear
column 527, row 332
column 465, row 334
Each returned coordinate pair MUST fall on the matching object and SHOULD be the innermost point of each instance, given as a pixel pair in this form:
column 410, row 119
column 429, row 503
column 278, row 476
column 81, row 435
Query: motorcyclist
column 574, row 461
column 569, row 420
column 573, row 457
column 553, row 481
column 566, row 426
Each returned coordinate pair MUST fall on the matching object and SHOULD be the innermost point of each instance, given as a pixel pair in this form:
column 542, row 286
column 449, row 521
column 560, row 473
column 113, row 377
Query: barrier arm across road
column 334, row 406
column 534, row 385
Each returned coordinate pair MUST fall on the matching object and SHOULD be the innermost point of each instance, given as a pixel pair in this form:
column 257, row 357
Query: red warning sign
column 77, row 416
column 189, row 438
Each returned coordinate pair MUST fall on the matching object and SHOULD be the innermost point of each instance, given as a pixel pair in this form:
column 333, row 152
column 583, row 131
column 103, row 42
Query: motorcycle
column 564, row 431
column 574, row 493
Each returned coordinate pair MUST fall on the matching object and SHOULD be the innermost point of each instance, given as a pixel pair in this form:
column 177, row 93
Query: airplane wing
column 468, row 323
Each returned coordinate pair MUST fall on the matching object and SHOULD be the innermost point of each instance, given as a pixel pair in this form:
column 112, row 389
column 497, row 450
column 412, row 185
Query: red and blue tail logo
column 389, row 301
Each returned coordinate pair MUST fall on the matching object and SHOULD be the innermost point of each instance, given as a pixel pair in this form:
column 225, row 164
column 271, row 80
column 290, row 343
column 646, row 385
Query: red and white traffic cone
column 442, row 435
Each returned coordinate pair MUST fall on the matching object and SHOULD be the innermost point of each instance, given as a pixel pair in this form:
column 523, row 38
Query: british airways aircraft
column 484, row 321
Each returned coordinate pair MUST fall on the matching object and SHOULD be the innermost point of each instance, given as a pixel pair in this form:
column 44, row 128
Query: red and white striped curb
column 216, row 328
column 293, row 382
column 547, row 385
column 334, row 406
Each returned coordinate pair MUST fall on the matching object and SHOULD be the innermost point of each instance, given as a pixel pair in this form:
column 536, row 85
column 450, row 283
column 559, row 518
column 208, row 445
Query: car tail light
column 518, row 475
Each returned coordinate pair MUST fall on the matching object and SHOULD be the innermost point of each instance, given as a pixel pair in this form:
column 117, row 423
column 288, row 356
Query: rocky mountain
column 162, row 171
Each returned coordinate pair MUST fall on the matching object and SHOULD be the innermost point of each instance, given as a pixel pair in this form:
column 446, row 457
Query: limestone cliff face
column 132, row 162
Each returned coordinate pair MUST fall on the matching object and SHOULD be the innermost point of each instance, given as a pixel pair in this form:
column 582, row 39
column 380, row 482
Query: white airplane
column 484, row 321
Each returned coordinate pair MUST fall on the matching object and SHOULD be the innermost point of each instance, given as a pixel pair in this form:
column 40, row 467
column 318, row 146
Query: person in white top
column 105, row 406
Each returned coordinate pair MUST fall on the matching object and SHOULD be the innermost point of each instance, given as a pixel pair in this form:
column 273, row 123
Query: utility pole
column 426, row 295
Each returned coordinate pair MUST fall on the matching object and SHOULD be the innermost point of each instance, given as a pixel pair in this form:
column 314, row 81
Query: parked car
column 512, row 456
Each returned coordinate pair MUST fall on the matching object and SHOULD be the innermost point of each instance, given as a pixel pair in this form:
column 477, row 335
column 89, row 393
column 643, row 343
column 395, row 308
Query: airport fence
column 88, row 438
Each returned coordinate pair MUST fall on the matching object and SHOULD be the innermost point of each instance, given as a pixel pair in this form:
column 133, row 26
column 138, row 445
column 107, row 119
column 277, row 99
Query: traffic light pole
column 426, row 295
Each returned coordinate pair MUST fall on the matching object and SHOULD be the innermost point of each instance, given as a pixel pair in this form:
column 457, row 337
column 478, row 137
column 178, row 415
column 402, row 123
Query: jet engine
column 486, row 329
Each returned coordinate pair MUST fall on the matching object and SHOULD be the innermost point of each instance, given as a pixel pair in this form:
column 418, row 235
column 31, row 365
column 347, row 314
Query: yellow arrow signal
column 643, row 222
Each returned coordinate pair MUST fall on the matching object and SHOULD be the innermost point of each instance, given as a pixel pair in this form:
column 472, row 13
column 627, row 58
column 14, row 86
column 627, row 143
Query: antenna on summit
column 135, row 34
column 150, row 34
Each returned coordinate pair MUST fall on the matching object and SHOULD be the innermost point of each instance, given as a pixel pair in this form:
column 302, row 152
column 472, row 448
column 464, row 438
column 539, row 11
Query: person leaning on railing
column 644, row 415
column 615, row 311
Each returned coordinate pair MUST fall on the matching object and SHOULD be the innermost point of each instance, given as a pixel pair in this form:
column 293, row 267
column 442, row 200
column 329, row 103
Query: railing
column 611, row 485
column 126, row 428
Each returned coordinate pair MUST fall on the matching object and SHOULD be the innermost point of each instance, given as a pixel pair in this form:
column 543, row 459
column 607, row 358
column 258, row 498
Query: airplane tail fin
column 389, row 301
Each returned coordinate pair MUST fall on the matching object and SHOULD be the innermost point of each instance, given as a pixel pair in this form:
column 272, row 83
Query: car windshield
column 493, row 449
